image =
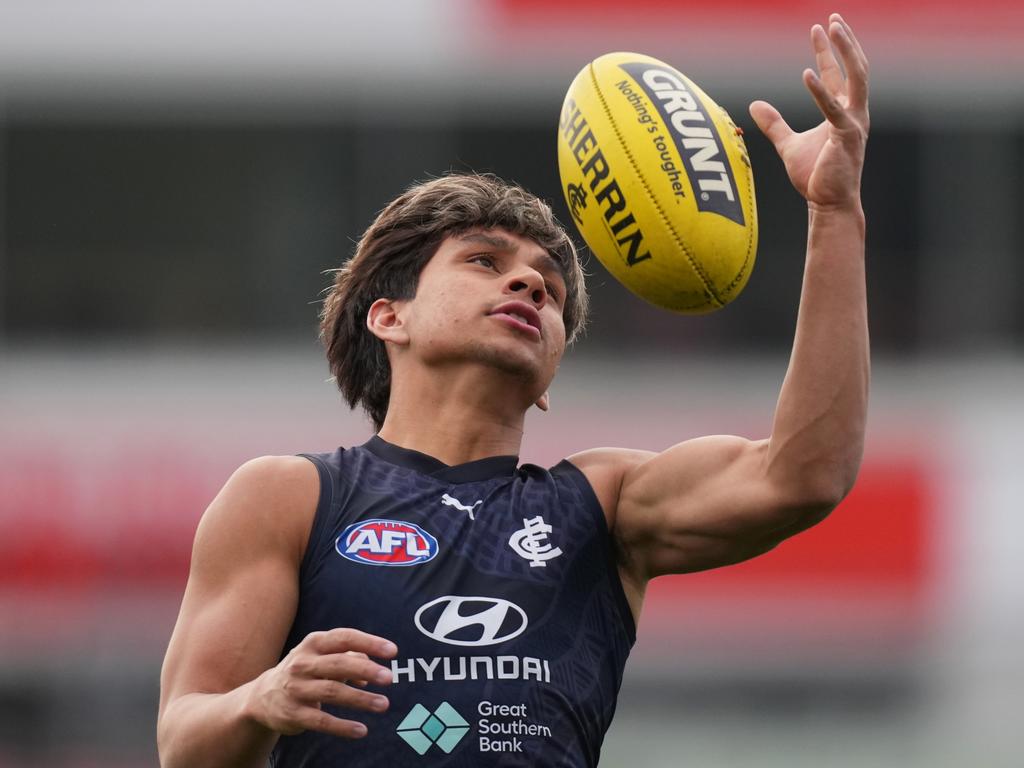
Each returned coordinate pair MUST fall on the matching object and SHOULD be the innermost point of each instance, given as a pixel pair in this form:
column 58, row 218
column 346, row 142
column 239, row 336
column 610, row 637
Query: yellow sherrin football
column 658, row 180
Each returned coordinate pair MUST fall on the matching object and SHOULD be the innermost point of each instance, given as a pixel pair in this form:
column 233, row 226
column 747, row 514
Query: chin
column 514, row 362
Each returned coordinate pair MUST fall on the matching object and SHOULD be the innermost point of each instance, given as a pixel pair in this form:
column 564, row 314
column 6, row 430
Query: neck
column 466, row 415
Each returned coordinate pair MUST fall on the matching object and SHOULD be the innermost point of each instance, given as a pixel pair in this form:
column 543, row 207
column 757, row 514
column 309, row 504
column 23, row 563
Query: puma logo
column 451, row 501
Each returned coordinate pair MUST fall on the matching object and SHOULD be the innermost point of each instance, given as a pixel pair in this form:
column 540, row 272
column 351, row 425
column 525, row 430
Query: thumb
column 768, row 119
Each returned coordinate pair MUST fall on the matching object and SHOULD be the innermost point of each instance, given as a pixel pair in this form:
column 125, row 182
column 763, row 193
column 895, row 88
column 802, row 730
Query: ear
column 544, row 401
column 385, row 321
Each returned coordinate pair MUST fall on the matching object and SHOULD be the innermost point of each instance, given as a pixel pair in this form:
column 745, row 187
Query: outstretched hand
column 825, row 162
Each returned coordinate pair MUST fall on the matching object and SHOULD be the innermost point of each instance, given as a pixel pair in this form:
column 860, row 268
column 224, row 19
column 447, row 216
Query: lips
column 520, row 312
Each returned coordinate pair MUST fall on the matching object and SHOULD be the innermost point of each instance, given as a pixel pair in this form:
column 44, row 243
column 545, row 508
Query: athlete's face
column 489, row 296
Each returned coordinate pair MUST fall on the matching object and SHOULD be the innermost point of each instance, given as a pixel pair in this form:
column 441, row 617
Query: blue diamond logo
column 444, row 728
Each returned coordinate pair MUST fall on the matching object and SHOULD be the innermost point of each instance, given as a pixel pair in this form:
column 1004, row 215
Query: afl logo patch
column 386, row 542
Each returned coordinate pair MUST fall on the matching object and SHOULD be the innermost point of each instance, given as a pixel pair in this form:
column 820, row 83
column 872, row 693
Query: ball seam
column 751, row 228
column 694, row 265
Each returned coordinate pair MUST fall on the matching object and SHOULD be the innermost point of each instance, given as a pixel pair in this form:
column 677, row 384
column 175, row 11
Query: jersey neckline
column 471, row 471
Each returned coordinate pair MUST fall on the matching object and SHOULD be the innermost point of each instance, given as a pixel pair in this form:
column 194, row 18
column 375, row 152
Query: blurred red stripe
column 130, row 521
column 951, row 16
column 98, row 523
column 870, row 564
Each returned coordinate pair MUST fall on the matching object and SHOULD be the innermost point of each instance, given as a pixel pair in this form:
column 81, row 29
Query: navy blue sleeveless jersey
column 499, row 585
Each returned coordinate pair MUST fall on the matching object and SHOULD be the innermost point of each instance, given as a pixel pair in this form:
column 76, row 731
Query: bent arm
column 238, row 607
column 719, row 500
column 818, row 432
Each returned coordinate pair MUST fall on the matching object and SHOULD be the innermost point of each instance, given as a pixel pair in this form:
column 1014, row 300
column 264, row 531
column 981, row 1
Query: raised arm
column 719, row 500
column 225, row 698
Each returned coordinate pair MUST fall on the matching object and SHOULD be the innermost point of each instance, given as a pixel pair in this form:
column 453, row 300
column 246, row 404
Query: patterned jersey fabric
column 499, row 585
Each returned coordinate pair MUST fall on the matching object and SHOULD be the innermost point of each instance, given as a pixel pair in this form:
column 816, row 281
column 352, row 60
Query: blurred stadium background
column 174, row 180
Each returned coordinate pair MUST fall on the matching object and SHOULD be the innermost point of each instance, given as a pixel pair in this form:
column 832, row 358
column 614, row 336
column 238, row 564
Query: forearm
column 818, row 431
column 213, row 730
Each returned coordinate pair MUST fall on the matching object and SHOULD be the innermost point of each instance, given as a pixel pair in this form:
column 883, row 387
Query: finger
column 346, row 639
column 315, row 719
column 317, row 692
column 849, row 33
column 768, row 119
column 826, row 101
column 360, row 683
column 347, row 667
column 855, row 63
column 828, row 68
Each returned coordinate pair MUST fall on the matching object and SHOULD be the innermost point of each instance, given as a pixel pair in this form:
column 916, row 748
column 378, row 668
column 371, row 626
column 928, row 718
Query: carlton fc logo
column 386, row 542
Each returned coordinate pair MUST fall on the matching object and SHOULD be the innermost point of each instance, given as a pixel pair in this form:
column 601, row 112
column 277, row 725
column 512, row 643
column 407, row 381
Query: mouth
column 520, row 315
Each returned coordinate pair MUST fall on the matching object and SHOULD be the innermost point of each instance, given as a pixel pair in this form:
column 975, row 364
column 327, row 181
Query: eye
column 484, row 260
column 552, row 291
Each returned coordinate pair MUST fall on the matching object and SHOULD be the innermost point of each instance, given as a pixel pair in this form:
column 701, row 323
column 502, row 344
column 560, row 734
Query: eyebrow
column 546, row 262
column 495, row 241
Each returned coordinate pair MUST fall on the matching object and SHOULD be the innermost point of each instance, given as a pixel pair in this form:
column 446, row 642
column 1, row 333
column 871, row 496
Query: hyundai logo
column 471, row 620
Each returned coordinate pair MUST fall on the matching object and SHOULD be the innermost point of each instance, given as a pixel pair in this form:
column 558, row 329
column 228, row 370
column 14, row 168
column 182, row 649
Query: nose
column 527, row 281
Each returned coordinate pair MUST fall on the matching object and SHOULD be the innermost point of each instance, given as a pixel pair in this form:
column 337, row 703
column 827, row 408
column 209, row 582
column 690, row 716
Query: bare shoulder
column 269, row 501
column 279, row 479
column 278, row 476
column 605, row 469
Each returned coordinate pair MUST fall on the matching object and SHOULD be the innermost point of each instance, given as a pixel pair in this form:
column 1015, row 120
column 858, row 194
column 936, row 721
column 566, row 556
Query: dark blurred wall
column 162, row 228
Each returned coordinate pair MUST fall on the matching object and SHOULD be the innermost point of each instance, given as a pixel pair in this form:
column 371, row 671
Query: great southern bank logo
column 443, row 728
column 386, row 542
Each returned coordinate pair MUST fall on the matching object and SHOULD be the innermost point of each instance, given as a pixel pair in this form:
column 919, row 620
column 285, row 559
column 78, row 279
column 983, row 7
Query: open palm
column 825, row 162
